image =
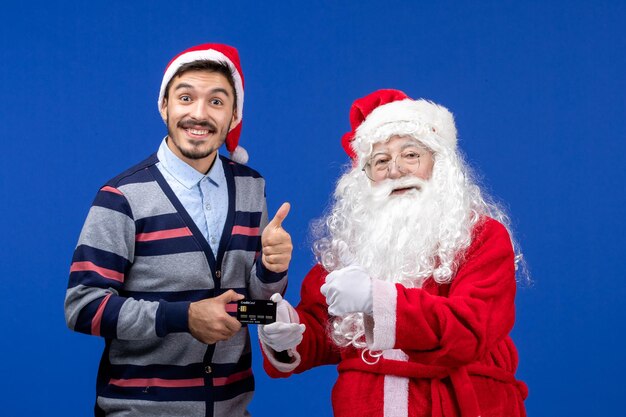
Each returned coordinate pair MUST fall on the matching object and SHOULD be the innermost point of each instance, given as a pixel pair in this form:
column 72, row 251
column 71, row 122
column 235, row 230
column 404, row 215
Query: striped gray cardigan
column 140, row 261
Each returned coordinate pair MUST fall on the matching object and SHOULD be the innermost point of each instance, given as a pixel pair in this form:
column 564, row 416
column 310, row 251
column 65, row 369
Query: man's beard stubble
column 196, row 153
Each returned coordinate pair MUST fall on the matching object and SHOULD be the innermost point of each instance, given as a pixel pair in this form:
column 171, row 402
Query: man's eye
column 217, row 102
column 185, row 98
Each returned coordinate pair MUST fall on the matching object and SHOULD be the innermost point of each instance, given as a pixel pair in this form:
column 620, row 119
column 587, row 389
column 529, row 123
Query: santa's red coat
column 446, row 348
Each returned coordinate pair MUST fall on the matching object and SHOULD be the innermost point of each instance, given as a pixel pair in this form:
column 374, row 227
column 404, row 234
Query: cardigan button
column 218, row 273
column 208, row 369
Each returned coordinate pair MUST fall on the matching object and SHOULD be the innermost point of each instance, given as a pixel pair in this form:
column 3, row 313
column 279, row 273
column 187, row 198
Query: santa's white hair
column 407, row 238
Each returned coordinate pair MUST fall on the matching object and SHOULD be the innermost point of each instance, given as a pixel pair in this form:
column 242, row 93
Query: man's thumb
column 230, row 296
column 280, row 215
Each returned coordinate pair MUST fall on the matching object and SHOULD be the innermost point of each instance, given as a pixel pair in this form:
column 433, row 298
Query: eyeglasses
column 379, row 165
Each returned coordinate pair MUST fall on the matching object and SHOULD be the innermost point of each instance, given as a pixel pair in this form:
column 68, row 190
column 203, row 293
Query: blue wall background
column 536, row 87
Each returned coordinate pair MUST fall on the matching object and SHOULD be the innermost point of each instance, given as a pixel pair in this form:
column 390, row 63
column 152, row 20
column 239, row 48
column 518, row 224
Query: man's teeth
column 198, row 132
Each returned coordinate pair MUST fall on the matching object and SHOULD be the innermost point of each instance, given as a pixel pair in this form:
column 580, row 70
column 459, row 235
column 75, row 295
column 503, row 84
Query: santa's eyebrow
column 420, row 147
column 411, row 143
column 381, row 152
column 408, row 144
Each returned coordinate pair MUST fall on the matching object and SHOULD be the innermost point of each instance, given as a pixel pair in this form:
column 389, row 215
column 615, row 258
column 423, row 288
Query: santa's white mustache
column 385, row 188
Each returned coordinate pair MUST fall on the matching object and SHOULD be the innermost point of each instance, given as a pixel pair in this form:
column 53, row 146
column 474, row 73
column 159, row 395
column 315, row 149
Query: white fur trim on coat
column 281, row 366
column 396, row 388
column 380, row 329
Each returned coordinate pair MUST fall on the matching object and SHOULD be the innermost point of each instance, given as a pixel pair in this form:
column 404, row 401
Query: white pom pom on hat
column 217, row 53
column 240, row 155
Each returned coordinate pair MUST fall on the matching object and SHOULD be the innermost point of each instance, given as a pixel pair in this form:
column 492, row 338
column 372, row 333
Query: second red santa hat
column 385, row 113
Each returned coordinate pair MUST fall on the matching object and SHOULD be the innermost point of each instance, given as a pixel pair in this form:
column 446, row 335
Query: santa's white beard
column 394, row 237
column 404, row 239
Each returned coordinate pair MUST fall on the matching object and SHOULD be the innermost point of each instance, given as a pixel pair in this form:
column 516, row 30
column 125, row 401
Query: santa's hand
column 348, row 290
column 286, row 332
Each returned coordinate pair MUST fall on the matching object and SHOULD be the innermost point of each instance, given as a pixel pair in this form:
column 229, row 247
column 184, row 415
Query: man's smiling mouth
column 199, row 132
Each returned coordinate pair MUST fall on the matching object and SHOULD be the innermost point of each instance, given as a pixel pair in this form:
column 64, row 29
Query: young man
column 413, row 296
column 168, row 244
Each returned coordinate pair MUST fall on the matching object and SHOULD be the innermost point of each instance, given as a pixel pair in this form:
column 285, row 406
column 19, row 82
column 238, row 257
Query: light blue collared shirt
column 205, row 197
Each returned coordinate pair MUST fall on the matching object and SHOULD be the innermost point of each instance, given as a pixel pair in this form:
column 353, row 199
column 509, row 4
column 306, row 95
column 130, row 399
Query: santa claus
column 413, row 295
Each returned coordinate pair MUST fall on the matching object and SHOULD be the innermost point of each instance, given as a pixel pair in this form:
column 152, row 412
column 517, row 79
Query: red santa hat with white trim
column 217, row 53
column 385, row 113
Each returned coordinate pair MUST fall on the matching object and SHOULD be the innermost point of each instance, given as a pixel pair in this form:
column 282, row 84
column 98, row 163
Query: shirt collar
column 184, row 173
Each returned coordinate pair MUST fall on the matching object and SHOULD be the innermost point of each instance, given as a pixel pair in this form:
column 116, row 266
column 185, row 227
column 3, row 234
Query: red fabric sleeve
column 477, row 313
column 316, row 347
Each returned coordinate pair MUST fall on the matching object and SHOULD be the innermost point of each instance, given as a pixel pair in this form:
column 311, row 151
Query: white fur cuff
column 380, row 328
column 278, row 365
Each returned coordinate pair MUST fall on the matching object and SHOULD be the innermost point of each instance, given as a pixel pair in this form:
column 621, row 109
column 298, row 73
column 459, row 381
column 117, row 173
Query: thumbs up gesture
column 276, row 242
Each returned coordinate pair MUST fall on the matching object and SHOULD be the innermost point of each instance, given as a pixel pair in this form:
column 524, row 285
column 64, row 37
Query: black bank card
column 256, row 311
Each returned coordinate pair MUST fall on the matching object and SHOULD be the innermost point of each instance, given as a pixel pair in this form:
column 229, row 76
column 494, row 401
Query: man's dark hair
column 219, row 67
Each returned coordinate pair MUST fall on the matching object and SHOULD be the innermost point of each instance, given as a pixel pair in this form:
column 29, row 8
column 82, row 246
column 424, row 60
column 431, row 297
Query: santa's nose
column 395, row 170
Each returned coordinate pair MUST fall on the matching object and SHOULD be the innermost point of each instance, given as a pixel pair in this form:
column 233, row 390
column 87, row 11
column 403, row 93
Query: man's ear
column 233, row 120
column 163, row 110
